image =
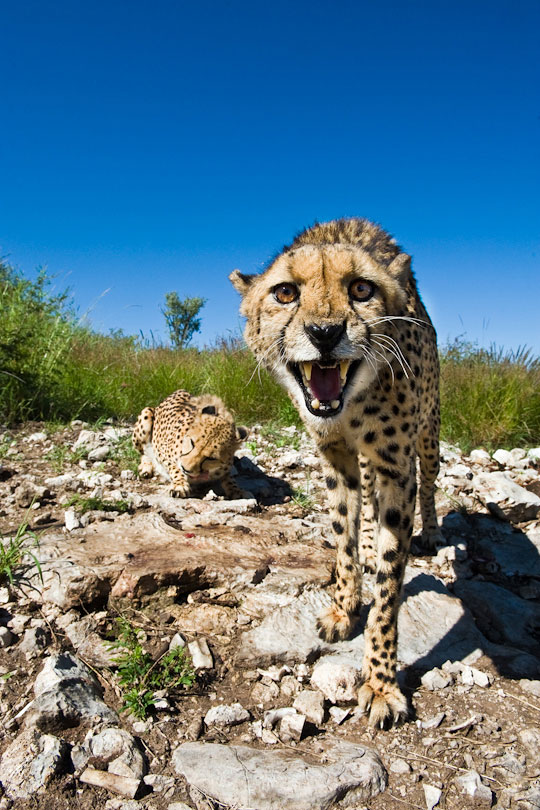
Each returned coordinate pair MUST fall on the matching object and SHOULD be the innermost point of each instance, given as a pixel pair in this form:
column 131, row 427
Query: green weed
column 14, row 552
column 273, row 432
column 83, row 505
column 303, row 496
column 62, row 456
column 140, row 676
column 125, row 455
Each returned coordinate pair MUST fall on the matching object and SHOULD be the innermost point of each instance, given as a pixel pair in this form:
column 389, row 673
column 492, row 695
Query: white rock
column 436, row 679
column 274, row 716
column 480, row 456
column 238, row 776
column 64, row 666
column 338, row 714
column 88, row 439
column 471, row 785
column 114, row 747
column 532, row 687
column 504, row 497
column 59, row 480
column 99, row 453
column 71, row 520
column 534, row 453
column 291, row 727
column 337, row 681
column 226, row 715
column 290, row 459
column 37, row 437
column 432, row 796
column 177, row 641
column 400, row 766
column 201, row 656
column 458, row 471
column 34, row 641
column 30, row 762
column 504, row 457
column 92, row 478
column 311, row 704
column 127, row 475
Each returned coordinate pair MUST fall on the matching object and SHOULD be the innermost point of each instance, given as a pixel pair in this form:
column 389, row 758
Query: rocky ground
column 270, row 720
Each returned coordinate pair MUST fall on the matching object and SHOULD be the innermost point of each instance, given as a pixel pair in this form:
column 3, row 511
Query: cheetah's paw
column 179, row 492
column 385, row 703
column 335, row 624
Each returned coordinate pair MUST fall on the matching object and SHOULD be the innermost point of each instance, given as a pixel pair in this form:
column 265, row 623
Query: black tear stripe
column 282, row 335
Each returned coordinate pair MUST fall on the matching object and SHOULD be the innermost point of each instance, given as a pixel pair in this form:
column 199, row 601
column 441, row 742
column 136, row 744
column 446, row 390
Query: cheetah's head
column 319, row 316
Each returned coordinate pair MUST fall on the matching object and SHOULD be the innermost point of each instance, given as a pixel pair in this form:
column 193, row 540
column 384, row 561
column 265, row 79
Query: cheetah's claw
column 385, row 704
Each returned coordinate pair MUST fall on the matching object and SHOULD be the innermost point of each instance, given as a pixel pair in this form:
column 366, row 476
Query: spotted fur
column 338, row 319
column 189, row 441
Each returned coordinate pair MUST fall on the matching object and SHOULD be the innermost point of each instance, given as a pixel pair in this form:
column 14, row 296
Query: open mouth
column 323, row 386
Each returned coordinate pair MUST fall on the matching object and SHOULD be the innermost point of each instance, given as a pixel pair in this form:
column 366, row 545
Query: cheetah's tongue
column 325, row 383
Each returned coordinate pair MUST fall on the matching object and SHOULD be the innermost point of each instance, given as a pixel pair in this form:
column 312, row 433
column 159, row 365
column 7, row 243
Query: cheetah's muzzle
column 324, row 385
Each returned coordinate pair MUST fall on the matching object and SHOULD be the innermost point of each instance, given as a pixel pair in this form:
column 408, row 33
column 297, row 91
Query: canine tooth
column 315, row 404
column 307, row 370
column 335, row 403
column 343, row 368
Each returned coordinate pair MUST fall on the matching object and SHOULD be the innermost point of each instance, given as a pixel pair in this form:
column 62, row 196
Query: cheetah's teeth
column 307, row 370
column 315, row 404
column 343, row 369
column 335, row 403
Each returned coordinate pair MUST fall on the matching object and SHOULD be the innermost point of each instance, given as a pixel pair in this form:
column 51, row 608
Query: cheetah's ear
column 400, row 268
column 209, row 409
column 240, row 281
column 241, row 433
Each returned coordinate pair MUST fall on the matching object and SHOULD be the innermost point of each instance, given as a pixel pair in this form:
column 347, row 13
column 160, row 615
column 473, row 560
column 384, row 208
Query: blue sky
column 155, row 146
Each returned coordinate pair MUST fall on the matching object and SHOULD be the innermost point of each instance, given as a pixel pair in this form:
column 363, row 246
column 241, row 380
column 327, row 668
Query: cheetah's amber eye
column 286, row 293
column 361, row 290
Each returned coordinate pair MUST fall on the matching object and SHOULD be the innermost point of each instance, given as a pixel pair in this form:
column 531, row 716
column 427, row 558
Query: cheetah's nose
column 325, row 337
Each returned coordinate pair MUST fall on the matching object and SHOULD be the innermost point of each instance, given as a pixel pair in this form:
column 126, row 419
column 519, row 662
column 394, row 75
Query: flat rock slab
column 505, row 498
column 247, row 778
column 138, row 554
column 289, row 634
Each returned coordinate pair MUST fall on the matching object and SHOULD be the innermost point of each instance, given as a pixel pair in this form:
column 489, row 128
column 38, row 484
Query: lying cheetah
column 189, row 441
column 338, row 319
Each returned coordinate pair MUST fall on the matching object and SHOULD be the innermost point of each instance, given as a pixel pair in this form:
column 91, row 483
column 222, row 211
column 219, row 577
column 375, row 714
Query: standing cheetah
column 338, row 319
column 190, row 441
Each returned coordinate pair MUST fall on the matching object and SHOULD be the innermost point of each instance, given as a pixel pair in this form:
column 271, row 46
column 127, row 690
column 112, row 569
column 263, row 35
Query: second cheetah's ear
column 241, row 433
column 209, row 409
column 240, row 281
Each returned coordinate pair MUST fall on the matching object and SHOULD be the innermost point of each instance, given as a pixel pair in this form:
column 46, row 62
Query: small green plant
column 140, row 676
column 5, row 444
column 303, row 497
column 252, row 447
column 275, row 433
column 14, row 551
column 62, row 456
column 125, row 455
column 83, row 505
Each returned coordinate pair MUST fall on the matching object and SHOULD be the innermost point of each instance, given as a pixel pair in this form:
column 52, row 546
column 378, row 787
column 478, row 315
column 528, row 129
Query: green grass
column 139, row 676
column 56, row 369
column 14, row 554
column 489, row 397
column 83, row 505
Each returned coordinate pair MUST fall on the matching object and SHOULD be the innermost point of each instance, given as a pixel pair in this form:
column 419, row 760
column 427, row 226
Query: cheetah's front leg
column 380, row 694
column 342, row 480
